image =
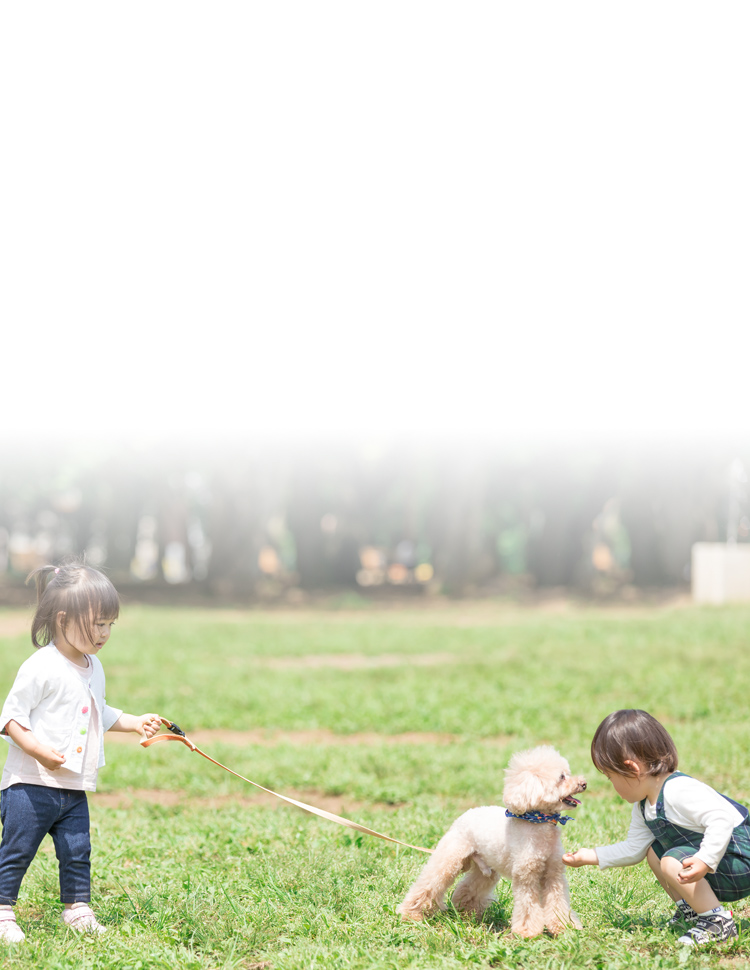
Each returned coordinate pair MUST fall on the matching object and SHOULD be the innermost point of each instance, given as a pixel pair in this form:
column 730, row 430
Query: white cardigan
column 51, row 701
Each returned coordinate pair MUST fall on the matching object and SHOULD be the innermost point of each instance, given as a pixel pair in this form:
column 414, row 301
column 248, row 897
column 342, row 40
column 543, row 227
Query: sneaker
column 82, row 920
column 683, row 914
column 10, row 931
column 712, row 928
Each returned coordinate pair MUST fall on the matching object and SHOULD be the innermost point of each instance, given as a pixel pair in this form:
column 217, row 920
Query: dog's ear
column 523, row 792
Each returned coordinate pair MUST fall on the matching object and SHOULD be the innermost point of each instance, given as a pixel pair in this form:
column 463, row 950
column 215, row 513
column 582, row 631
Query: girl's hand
column 47, row 757
column 148, row 724
column 582, row 857
column 693, row 870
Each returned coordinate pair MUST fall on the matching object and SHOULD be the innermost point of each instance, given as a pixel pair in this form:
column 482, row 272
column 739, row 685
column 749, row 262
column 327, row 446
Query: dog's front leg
column 556, row 898
column 528, row 916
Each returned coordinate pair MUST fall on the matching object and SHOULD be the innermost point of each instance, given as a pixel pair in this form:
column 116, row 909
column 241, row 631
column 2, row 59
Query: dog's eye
column 562, row 777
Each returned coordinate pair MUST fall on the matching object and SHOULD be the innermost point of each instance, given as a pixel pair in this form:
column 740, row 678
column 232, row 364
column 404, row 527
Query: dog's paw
column 415, row 915
column 527, row 930
column 558, row 925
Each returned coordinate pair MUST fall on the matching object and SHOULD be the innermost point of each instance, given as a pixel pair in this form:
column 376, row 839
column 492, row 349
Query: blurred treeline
column 244, row 521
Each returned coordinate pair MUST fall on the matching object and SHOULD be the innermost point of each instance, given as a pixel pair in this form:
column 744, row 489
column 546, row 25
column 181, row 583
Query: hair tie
column 57, row 569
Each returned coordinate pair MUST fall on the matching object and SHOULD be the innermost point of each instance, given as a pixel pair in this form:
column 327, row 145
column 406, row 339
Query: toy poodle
column 520, row 842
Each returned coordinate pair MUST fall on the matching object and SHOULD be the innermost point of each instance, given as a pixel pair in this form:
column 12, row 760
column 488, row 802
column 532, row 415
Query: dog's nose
column 582, row 786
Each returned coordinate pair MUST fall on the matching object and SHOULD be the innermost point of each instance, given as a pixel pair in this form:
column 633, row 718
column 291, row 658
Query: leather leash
column 177, row 734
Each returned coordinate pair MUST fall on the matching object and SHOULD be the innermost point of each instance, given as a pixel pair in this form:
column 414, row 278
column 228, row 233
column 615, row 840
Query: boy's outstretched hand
column 582, row 857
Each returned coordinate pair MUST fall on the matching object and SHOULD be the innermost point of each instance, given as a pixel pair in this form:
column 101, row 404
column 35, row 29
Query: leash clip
column 177, row 730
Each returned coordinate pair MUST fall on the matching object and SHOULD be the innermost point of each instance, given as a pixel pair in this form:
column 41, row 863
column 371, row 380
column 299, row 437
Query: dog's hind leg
column 474, row 892
column 451, row 856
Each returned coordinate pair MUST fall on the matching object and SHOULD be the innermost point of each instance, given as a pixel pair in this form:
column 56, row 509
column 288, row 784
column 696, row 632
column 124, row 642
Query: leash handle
column 177, row 734
column 184, row 739
column 145, row 740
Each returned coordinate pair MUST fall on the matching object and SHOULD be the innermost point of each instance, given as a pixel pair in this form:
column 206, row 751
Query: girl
column 54, row 719
column 696, row 841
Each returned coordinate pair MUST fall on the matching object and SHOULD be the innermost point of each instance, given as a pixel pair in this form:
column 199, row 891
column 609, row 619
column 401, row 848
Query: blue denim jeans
column 28, row 813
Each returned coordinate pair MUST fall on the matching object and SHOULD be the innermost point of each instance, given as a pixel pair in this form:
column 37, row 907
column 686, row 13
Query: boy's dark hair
column 79, row 591
column 633, row 735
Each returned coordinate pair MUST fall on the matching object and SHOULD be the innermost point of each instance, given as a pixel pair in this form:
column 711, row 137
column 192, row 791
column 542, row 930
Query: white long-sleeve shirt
column 688, row 803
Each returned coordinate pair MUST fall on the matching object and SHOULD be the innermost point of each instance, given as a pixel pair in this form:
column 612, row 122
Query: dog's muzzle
column 570, row 800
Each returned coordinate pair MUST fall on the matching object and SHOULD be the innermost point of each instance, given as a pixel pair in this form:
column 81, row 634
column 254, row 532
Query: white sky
column 315, row 217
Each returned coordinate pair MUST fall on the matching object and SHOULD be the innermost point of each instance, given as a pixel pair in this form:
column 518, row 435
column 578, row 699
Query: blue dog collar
column 541, row 817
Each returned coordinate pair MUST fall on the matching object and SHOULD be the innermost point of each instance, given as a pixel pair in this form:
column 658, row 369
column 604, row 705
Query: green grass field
column 399, row 719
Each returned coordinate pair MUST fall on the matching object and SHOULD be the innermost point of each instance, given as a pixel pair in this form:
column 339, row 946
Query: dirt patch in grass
column 269, row 739
column 337, row 804
column 358, row 661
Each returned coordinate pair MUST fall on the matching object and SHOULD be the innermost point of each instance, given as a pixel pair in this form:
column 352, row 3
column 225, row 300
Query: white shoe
column 10, row 931
column 82, row 920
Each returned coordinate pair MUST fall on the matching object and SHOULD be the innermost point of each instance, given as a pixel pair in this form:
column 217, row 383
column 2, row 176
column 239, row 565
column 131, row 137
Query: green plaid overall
column 731, row 881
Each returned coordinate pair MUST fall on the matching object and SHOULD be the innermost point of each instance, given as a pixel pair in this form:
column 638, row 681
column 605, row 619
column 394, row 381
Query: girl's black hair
column 83, row 594
column 633, row 735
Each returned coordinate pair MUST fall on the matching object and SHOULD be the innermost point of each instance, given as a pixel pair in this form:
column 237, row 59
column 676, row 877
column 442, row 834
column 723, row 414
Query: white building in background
column 721, row 572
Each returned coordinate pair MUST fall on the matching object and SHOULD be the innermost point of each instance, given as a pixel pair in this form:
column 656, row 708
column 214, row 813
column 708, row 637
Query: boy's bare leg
column 699, row 894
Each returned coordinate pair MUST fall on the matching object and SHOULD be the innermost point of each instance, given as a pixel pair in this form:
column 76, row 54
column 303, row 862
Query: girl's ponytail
column 43, row 624
column 42, row 577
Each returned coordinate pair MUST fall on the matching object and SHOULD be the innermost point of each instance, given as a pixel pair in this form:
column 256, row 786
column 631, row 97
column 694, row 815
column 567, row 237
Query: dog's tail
column 451, row 857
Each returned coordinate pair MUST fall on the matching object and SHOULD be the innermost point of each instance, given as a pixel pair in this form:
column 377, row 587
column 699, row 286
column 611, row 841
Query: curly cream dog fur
column 486, row 844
